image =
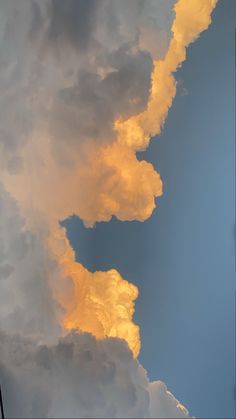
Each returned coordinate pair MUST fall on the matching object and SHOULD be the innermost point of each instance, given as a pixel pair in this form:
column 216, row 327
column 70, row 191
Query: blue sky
column 182, row 258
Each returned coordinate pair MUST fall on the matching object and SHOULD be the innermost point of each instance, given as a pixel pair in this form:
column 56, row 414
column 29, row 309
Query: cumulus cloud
column 84, row 85
column 74, row 67
column 79, row 376
column 26, row 300
column 96, row 105
column 85, row 151
column 72, row 96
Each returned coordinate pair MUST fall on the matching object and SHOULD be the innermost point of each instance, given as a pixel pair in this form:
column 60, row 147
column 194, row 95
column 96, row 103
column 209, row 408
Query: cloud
column 79, row 376
column 84, row 87
column 98, row 113
column 87, row 26
column 44, row 290
column 70, row 98
column 72, row 21
column 71, row 68
column 26, row 301
column 85, row 150
column 163, row 404
column 86, row 111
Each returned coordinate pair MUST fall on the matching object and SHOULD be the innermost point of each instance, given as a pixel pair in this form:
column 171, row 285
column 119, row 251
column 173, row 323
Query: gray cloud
column 88, row 25
column 68, row 69
column 72, row 21
column 79, row 376
column 64, row 23
column 87, row 110
column 26, row 301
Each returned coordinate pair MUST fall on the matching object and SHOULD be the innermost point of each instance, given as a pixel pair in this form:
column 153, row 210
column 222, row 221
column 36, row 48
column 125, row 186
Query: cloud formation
column 71, row 139
column 85, row 85
column 97, row 111
column 102, row 108
column 53, row 84
column 79, row 376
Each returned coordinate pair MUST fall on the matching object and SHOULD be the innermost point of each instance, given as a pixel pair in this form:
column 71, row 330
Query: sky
column 182, row 258
column 117, row 208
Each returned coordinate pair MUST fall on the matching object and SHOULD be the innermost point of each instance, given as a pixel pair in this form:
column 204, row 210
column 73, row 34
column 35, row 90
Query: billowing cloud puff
column 79, row 376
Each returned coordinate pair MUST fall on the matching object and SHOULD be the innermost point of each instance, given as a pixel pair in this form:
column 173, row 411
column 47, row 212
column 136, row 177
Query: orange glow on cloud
column 121, row 195
column 112, row 182
column 192, row 17
column 101, row 303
